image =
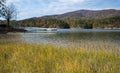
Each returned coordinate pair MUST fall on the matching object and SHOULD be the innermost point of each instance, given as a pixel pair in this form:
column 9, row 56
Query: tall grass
column 27, row 58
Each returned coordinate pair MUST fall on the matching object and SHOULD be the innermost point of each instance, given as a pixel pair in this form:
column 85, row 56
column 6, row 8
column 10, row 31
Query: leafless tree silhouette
column 9, row 12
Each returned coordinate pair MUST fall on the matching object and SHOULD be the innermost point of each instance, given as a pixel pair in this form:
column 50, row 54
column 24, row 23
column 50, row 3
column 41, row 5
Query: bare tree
column 9, row 12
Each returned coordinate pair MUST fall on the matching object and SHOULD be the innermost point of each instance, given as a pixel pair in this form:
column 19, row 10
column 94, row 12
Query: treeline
column 44, row 23
column 87, row 23
column 113, row 22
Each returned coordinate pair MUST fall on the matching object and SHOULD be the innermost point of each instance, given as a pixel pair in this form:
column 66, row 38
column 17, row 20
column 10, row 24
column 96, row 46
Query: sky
column 37, row 8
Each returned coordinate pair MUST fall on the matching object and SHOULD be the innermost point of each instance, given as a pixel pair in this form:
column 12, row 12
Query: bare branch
column 9, row 12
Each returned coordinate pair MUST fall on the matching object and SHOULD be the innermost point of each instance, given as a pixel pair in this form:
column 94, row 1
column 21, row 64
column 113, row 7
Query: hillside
column 96, row 14
column 87, row 19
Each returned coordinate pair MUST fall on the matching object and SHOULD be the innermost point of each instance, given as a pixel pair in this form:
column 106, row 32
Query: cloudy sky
column 37, row 8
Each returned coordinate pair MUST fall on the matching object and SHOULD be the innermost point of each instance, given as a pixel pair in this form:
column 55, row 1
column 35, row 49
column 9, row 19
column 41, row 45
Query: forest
column 84, row 23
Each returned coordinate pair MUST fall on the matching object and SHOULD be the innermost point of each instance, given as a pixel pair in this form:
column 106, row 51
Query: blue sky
column 37, row 8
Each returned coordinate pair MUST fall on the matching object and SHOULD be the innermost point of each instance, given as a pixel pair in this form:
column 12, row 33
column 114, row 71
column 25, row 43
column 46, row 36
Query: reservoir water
column 78, row 38
column 87, row 38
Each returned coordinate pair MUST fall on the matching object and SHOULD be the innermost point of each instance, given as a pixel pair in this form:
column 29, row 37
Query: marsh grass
column 10, row 38
column 27, row 58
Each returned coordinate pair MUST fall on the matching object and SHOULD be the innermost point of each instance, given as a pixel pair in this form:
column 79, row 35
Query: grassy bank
column 26, row 58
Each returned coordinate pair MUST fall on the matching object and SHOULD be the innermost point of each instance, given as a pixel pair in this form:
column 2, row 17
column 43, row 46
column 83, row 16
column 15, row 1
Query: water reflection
column 77, row 38
column 68, row 38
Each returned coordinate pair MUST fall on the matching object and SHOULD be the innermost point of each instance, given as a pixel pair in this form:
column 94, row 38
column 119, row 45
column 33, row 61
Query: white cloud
column 13, row 1
column 28, row 8
column 62, row 6
column 23, row 1
column 71, row 1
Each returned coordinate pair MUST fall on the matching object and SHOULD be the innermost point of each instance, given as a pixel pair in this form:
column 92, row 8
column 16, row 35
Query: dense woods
column 112, row 22
column 86, row 23
column 45, row 23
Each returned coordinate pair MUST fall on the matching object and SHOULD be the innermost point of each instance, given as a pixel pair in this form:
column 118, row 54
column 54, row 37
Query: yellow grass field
column 27, row 58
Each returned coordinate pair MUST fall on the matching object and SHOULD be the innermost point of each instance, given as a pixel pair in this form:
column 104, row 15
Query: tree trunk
column 8, row 22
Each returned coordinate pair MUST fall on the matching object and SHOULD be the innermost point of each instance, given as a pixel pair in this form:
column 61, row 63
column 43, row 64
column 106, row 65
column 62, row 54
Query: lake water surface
column 79, row 38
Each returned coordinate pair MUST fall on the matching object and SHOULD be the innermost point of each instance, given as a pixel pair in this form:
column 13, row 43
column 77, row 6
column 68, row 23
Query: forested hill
column 96, row 14
column 77, row 19
column 44, row 23
column 111, row 22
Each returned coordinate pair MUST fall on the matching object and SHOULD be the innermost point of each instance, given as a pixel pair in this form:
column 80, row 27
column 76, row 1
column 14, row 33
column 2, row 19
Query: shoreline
column 4, row 30
column 11, row 29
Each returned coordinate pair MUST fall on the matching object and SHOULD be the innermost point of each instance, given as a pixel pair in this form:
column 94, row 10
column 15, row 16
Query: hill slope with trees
column 95, row 14
column 86, row 19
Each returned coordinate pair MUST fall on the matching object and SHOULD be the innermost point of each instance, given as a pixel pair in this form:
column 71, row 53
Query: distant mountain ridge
column 85, row 19
column 96, row 14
